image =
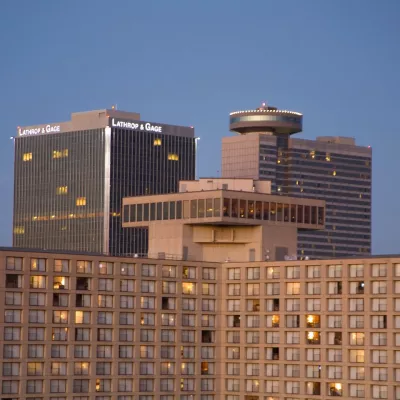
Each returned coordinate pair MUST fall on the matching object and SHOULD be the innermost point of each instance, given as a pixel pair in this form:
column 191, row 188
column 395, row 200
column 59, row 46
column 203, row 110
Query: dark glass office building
column 70, row 178
column 333, row 169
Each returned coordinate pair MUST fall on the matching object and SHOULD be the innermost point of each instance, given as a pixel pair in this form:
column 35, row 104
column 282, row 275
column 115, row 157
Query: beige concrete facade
column 219, row 225
column 237, row 184
column 88, row 327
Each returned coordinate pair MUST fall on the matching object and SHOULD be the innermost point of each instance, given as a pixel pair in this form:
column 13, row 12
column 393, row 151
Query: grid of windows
column 279, row 330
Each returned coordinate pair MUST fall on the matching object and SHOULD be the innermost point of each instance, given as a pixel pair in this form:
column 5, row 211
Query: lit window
column 27, row 157
column 334, row 173
column 81, row 201
column 173, row 157
column 19, row 230
column 328, row 157
column 312, row 154
column 62, row 190
column 157, row 142
column 60, row 153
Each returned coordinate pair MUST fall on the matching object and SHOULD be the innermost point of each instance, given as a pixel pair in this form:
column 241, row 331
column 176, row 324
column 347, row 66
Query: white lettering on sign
column 37, row 131
column 136, row 125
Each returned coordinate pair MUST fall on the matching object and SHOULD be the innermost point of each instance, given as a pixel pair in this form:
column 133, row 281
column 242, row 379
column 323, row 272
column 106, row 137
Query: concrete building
column 86, row 327
column 333, row 169
column 70, row 178
column 223, row 219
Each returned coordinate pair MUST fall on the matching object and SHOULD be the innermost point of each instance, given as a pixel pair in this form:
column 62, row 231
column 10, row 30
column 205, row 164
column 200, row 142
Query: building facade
column 333, row 169
column 70, row 179
column 216, row 219
column 84, row 327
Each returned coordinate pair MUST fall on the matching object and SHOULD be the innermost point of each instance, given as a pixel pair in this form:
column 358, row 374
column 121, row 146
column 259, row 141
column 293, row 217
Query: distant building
column 333, row 169
column 217, row 220
column 70, row 178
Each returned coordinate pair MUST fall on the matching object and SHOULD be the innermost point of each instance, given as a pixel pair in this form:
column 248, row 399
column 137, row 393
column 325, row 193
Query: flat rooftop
column 98, row 119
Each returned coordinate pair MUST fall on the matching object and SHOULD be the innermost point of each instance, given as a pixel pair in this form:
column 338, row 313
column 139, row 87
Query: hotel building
column 70, row 178
column 333, row 169
column 95, row 327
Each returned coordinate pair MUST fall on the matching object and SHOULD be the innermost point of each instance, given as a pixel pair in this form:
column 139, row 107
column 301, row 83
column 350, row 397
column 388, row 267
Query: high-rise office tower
column 70, row 178
column 334, row 169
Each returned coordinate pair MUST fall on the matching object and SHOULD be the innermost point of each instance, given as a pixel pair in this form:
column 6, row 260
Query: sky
column 193, row 62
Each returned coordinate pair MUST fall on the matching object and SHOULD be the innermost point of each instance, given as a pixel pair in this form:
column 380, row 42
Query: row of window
column 107, row 318
column 60, row 368
column 105, row 385
column 314, row 288
column 103, row 334
column 13, row 351
column 233, row 208
column 110, row 268
column 312, row 304
column 313, row 271
column 125, row 301
column 60, row 283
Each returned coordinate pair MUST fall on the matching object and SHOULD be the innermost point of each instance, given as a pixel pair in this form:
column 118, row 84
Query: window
column 13, row 298
column 11, row 333
column 188, row 288
column 379, row 287
column 293, row 305
column 125, row 368
column 146, row 385
column 106, row 284
column 168, row 287
column 125, row 351
column 34, row 386
column 36, row 316
column 13, row 316
column 313, row 271
column 356, row 270
column 104, row 351
column 12, row 369
column 60, row 317
column 313, row 354
column 105, row 317
column 84, row 267
column 379, row 339
column 335, row 288
column 126, row 318
column 60, row 153
column 379, row 270
column 61, row 266
column 58, row 386
column 335, row 271
column 148, row 287
column 209, row 273
column 234, row 273
column 59, row 334
column 253, row 273
column 148, row 270
column 58, row 368
column 26, row 157
column 127, row 269
column 208, row 289
column 357, row 287
column 189, row 272
column 293, row 288
column 10, row 387
column 58, row 351
column 80, row 386
column 126, row 301
column 14, row 263
column 13, row 281
column 83, row 300
column 80, row 201
column 126, row 335
column 125, row 385
column 173, row 157
column 314, row 288
column 293, row 272
column 62, row 190
column 37, row 282
column 60, row 282
column 379, row 356
column 38, row 264
column 105, row 301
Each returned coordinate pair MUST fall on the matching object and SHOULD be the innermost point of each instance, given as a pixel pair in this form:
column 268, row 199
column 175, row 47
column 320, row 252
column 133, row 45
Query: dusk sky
column 191, row 63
